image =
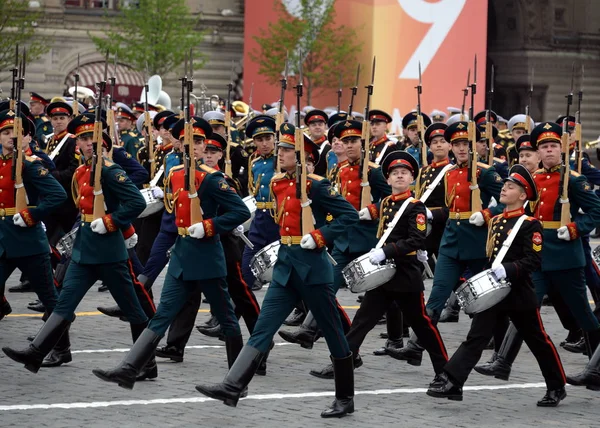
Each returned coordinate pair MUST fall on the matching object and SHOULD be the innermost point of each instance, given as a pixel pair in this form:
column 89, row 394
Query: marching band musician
column 302, row 271
column 357, row 239
column 522, row 259
column 500, row 165
column 37, row 107
column 261, row 167
column 336, row 157
column 198, row 241
column 99, row 252
column 316, row 122
column 406, row 287
column 517, row 126
column 499, row 150
column 462, row 244
column 130, row 139
column 411, row 135
column 380, row 145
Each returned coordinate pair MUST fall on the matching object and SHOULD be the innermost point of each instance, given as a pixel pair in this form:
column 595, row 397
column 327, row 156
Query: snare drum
column 65, row 245
column 251, row 204
column 153, row 205
column 263, row 262
column 481, row 292
column 596, row 258
column 361, row 275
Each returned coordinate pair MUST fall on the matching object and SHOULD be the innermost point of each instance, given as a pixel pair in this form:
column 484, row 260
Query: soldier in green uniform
column 43, row 128
column 130, row 139
column 302, row 271
column 99, row 252
column 196, row 242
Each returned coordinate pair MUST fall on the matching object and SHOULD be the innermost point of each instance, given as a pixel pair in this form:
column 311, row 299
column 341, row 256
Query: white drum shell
column 361, row 275
column 481, row 292
column 250, row 202
column 153, row 205
column 263, row 262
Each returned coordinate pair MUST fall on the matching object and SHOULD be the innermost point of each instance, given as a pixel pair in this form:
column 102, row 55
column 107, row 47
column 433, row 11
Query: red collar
column 514, row 213
column 553, row 169
column 379, row 141
column 59, row 136
column 28, row 151
column 440, row 163
column 401, row 196
column 166, row 148
column 320, row 140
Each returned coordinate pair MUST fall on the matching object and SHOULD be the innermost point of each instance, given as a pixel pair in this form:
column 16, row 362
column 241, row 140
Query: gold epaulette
column 539, row 171
column 208, row 169
column 574, row 173
column 176, row 167
column 316, row 177
column 414, row 201
column 374, row 165
column 233, row 144
column 31, row 158
column 278, row 176
column 483, row 165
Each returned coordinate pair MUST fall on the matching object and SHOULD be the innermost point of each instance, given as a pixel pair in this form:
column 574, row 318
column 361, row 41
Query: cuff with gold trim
column 109, row 223
column 573, row 232
column 209, row 227
column 27, row 218
column 319, row 238
column 373, row 211
column 487, row 215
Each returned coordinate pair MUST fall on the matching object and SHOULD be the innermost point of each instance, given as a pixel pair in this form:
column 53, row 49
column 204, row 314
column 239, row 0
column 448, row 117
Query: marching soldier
column 130, row 139
column 302, row 271
column 411, row 136
column 336, row 157
column 198, row 241
column 380, row 145
column 406, row 288
column 99, row 252
column 522, row 259
column 438, row 116
column 483, row 150
column 37, row 107
column 316, row 121
column 463, row 240
column 517, row 126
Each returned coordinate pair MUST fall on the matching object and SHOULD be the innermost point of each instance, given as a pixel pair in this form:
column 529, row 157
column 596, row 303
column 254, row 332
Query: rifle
column 17, row 172
column 339, row 95
column 475, row 191
column 420, row 124
column 228, row 170
column 279, row 118
column 148, row 127
column 97, row 158
column 195, row 210
column 578, row 124
column 75, row 98
column 15, row 79
column 183, row 89
column 353, row 90
column 465, row 93
column 528, row 106
column 488, row 122
column 565, row 211
column 301, row 172
column 365, row 199
column 110, row 114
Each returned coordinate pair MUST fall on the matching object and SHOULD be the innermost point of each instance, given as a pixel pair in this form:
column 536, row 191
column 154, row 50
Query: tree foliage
column 328, row 50
column 17, row 26
column 158, row 33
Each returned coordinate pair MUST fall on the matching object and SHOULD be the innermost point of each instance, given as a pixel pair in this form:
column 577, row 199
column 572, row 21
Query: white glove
column 477, row 219
column 499, row 271
column 563, row 233
column 131, row 241
column 422, row 255
column 158, row 193
column 307, row 242
column 364, row 214
column 238, row 231
column 376, row 256
column 429, row 214
column 196, row 231
column 18, row 220
column 98, row 226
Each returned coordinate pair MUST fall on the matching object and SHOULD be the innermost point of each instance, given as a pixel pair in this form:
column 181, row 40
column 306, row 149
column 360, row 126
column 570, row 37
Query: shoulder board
column 133, row 134
column 574, row 173
column 539, row 171
column 529, row 218
column 232, row 144
column 208, row 169
column 254, row 159
column 32, row 158
column 374, row 165
column 109, row 163
column 415, row 201
column 483, row 165
column 499, row 160
column 316, row 177
column 45, row 119
column 176, row 167
column 278, row 176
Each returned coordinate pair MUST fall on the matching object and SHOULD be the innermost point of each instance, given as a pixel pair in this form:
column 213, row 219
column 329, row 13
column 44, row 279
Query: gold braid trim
column 382, row 219
column 75, row 189
column 418, row 188
column 169, row 200
column 489, row 243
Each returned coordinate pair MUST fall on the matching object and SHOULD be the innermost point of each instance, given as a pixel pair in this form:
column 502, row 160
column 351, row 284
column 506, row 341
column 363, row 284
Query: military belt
column 291, row 240
column 87, row 218
column 551, row 224
column 265, row 205
column 10, row 211
column 183, row 231
column 459, row 215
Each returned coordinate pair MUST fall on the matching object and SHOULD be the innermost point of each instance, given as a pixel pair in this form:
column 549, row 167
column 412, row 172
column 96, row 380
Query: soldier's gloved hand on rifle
column 131, row 241
column 376, row 256
column 238, row 231
column 158, row 193
column 563, row 233
column 364, row 214
column 18, row 220
column 307, row 242
column 422, row 256
column 196, row 231
column 98, row 226
column 477, row 219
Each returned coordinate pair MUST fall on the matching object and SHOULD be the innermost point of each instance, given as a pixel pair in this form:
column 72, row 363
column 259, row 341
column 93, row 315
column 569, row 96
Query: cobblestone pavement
column 389, row 392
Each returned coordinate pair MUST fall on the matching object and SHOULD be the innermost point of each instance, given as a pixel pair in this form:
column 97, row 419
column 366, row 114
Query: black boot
column 126, row 373
column 237, row 379
column 212, row 322
column 507, row 355
column 150, row 370
column 173, row 353
column 233, row 346
column 590, row 376
column 23, row 287
column 262, row 367
column 42, row 344
column 111, row 311
column 451, row 311
column 306, row 336
column 574, row 336
column 327, row 371
column 61, row 354
column 488, row 364
column 579, row 347
column 36, row 306
column 296, row 318
column 552, row 397
column 389, row 344
column 412, row 353
column 215, row 331
column 443, row 387
column 343, row 404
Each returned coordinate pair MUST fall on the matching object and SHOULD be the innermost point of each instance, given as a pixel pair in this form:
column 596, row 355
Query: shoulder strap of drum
column 158, row 176
column 508, row 242
column 393, row 223
column 435, row 182
column 58, row 147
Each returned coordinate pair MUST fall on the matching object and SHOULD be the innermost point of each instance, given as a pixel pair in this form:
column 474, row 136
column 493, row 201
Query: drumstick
column 428, row 269
column 247, row 241
column 331, row 259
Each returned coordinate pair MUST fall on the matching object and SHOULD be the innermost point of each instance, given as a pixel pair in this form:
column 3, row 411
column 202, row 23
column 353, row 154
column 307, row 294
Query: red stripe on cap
column 56, row 110
column 378, row 117
column 436, row 133
column 316, row 118
column 459, row 135
column 481, row 119
column 524, row 183
column 525, row 144
column 548, row 136
column 401, row 162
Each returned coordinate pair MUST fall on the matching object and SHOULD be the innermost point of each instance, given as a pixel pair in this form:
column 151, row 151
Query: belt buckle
column 457, row 216
column 2, row 212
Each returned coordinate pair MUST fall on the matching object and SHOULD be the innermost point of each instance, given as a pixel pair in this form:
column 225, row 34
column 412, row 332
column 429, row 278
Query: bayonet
column 228, row 169
column 420, row 124
column 339, row 94
column 465, row 93
column 488, row 122
column 354, row 90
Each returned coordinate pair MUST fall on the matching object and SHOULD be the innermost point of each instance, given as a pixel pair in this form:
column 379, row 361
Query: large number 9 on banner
column 442, row 15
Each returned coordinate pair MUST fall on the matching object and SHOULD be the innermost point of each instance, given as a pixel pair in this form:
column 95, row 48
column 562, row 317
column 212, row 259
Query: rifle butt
column 565, row 214
column 307, row 221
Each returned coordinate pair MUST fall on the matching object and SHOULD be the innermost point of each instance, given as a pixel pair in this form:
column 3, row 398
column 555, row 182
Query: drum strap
column 508, row 242
column 380, row 157
column 57, row 149
column 393, row 223
column 159, row 174
column 435, row 182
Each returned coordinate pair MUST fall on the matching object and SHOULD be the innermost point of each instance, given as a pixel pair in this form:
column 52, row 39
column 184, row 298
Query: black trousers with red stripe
column 246, row 304
column 528, row 323
column 412, row 305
